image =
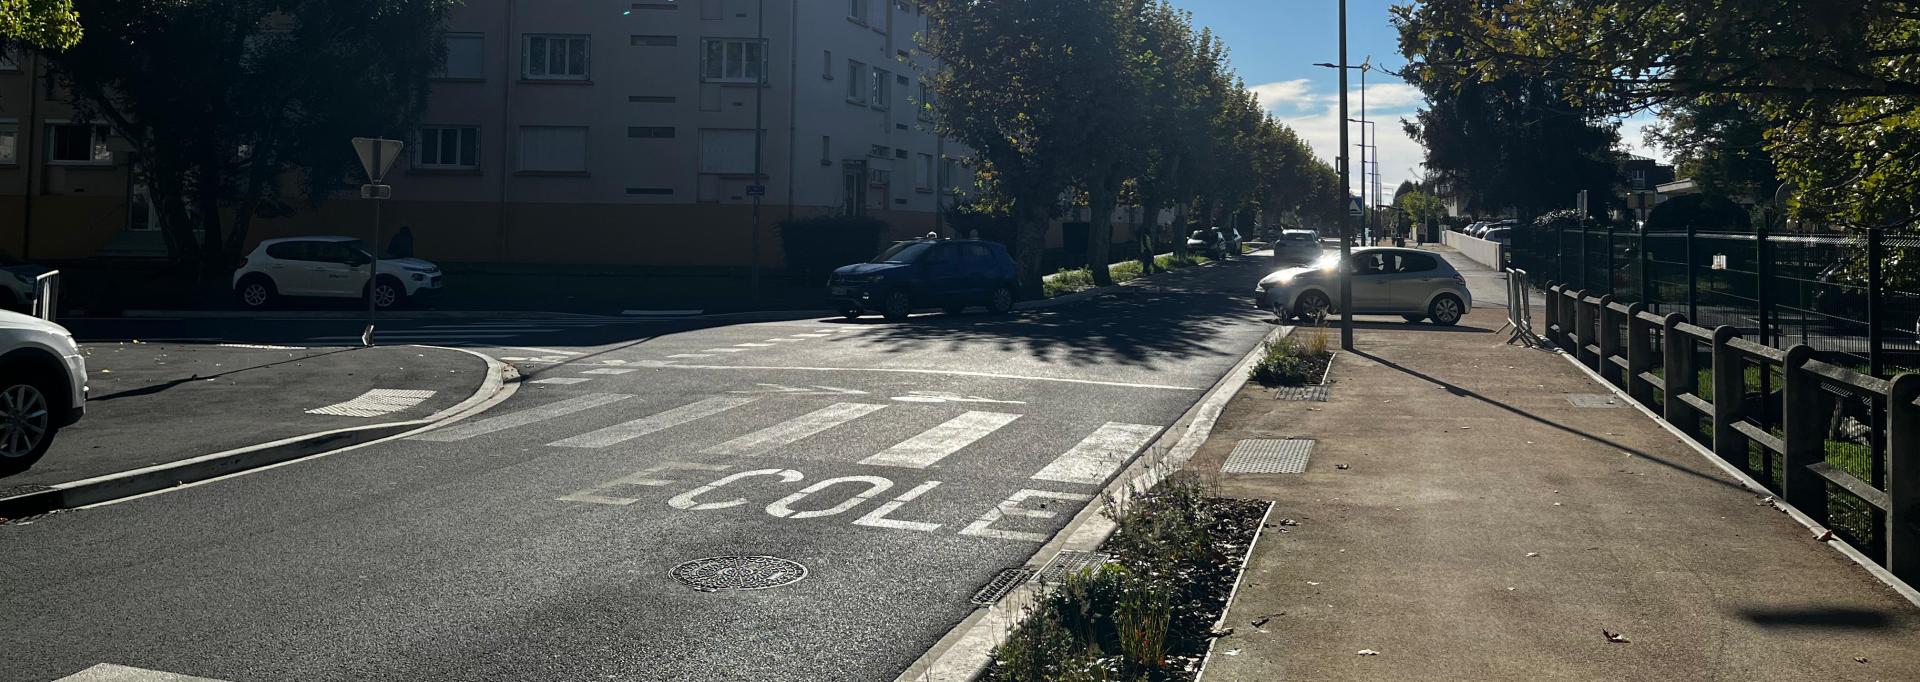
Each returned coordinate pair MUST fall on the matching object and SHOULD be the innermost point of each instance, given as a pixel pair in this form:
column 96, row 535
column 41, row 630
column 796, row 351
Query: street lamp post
column 1367, row 130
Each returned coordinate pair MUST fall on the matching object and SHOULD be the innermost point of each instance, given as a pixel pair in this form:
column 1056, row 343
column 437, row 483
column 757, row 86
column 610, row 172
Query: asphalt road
column 902, row 465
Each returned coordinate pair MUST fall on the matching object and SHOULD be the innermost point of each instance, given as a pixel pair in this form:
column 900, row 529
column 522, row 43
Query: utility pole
column 758, row 189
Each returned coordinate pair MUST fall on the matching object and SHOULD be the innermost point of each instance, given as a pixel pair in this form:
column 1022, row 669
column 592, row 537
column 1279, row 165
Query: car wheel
column 256, row 292
column 1312, row 305
column 1446, row 311
column 897, row 307
column 27, row 422
column 850, row 313
column 1000, row 302
column 388, row 293
column 1413, row 319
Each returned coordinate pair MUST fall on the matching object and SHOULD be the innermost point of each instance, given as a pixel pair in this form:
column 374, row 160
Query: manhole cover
column 1268, row 456
column 999, row 586
column 714, row 574
column 1069, row 562
column 1594, row 400
column 1307, row 393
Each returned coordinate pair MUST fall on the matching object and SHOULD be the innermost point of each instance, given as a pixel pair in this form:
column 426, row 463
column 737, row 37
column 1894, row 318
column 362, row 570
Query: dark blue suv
column 950, row 274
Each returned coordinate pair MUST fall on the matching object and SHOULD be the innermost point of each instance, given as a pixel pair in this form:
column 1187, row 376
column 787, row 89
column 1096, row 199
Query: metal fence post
column 1639, row 355
column 1585, row 285
column 1876, row 360
column 1693, row 277
column 1763, row 278
column 1609, row 332
column 1611, row 250
column 1677, row 363
column 1646, row 268
column 1553, row 314
column 1903, row 478
column 1805, row 437
column 1729, row 391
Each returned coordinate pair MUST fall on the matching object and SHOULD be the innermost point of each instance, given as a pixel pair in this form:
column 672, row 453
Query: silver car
column 1297, row 247
column 1414, row 284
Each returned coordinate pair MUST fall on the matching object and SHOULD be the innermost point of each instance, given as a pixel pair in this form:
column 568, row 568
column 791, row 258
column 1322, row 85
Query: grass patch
column 1293, row 361
column 1075, row 280
column 1148, row 613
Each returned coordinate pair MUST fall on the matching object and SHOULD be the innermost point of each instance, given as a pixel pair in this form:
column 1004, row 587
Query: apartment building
column 578, row 133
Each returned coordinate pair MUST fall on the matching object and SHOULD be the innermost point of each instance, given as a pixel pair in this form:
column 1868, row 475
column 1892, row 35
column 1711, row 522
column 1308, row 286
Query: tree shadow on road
column 1180, row 315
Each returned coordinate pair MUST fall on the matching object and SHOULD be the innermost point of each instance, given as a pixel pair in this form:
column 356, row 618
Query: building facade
column 577, row 133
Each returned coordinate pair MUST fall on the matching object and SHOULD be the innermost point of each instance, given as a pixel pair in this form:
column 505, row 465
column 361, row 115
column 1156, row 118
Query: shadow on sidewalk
column 1469, row 393
column 1828, row 618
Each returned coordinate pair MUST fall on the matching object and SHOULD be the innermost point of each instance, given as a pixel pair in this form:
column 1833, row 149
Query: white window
column 726, row 151
column 78, row 144
column 554, row 57
column 447, row 147
column 882, row 87
column 559, row 149
column 733, row 60
column 9, row 141
column 856, row 82
column 857, row 10
column 923, row 174
column 465, row 56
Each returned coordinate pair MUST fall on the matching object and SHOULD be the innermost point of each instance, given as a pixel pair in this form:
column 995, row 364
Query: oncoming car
column 1413, row 284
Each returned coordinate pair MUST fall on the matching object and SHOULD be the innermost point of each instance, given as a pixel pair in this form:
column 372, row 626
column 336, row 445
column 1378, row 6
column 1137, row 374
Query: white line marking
column 599, row 493
column 782, row 339
column 793, row 430
column 621, row 433
column 542, row 413
column 983, row 526
column 398, row 337
column 374, row 403
column 108, row 672
column 463, row 332
column 563, row 381
column 878, row 517
column 783, row 507
column 815, row 335
column 753, row 345
column 260, row 346
column 610, row 370
column 1099, row 454
column 683, row 356
column 724, row 350
column 941, row 372
column 554, row 351
column 933, row 445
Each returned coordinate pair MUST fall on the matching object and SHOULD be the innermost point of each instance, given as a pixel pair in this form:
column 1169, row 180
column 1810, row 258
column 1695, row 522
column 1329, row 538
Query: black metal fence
column 1854, row 296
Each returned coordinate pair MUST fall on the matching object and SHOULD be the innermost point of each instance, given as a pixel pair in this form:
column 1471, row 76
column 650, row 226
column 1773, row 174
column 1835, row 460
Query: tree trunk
column 207, row 200
column 1100, row 200
column 1145, row 233
column 176, row 227
column 1179, row 231
column 1030, row 244
column 257, row 176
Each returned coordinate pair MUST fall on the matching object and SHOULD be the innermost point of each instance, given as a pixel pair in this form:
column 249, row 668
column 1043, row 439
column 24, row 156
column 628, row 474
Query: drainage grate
column 374, row 403
column 999, row 586
column 1595, row 400
column 1268, row 456
column 714, row 574
column 1069, row 562
column 1308, row 393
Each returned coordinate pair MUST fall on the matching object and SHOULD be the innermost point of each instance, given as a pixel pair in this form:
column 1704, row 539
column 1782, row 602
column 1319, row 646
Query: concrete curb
column 90, row 491
column 966, row 650
column 1876, row 570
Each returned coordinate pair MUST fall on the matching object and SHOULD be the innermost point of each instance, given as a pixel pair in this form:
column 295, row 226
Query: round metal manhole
column 714, row 574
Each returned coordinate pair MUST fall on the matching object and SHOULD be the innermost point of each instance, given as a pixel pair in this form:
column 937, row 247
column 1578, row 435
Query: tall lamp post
column 1346, row 224
column 1368, row 170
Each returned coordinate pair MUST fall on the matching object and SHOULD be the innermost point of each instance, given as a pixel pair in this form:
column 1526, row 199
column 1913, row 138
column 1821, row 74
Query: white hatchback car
column 43, row 387
column 1416, row 285
column 328, row 267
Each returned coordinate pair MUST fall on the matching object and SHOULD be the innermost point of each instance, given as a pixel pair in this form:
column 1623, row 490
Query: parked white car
column 1416, row 285
column 43, row 387
column 328, row 267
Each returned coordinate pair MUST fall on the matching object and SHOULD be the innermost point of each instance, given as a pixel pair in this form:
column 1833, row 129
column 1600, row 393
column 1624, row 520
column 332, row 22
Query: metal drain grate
column 714, row 574
column 1308, row 393
column 1594, row 400
column 999, row 586
column 1069, row 562
column 1268, row 456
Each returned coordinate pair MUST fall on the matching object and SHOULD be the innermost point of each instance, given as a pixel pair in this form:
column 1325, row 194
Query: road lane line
column 554, row 351
column 680, row 356
column 108, row 672
column 792, row 430
column 754, row 345
column 815, row 335
column 621, row 433
column 563, row 381
column 610, row 370
column 1099, row 454
column 935, row 444
column 724, row 350
column 542, row 413
column 940, row 372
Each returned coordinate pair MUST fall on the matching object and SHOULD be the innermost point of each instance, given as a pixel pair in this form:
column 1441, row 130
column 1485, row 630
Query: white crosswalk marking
column 465, row 430
column 754, row 345
column 562, row 381
column 1097, row 455
column 793, row 430
column 108, row 672
column 725, row 350
column 620, row 433
column 374, row 403
column 609, row 370
column 933, row 445
column 688, row 356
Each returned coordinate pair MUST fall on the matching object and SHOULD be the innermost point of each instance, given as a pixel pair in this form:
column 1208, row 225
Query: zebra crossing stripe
column 933, row 445
column 465, row 430
column 791, row 431
column 1099, row 454
column 620, row 433
column 108, row 672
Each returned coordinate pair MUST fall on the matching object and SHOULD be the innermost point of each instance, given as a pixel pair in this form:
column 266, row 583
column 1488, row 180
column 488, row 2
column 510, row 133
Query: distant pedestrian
column 402, row 244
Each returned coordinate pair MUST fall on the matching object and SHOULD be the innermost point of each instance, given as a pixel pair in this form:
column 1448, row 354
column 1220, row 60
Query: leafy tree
column 42, row 24
column 1116, row 76
column 1175, row 113
column 1418, row 207
column 1720, row 142
column 247, row 105
column 1401, row 191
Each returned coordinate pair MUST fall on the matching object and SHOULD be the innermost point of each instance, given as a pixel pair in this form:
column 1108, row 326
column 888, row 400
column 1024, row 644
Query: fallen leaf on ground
column 1257, row 622
column 1367, row 652
column 1615, row 637
column 1764, row 501
column 1557, row 504
column 1231, row 652
column 1341, row 467
column 1312, row 583
column 1465, row 428
column 1533, row 554
column 1289, row 522
column 1860, row 659
column 1220, row 633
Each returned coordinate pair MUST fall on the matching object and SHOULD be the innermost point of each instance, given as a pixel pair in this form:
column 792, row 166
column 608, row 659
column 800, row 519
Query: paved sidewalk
column 1485, row 528
column 156, row 403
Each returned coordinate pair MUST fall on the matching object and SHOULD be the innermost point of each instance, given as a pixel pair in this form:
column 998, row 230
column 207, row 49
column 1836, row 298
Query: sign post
column 376, row 157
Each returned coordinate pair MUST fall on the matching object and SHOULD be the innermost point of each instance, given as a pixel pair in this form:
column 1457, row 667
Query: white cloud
column 1316, row 117
column 1285, row 95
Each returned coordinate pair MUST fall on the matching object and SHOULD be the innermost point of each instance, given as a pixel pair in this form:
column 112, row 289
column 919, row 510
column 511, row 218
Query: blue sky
column 1274, row 45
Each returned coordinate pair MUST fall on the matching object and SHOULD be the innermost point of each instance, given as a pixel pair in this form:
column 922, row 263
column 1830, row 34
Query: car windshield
column 903, row 252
